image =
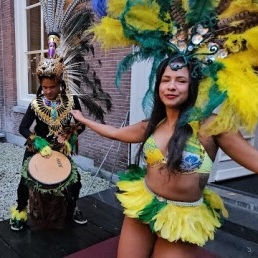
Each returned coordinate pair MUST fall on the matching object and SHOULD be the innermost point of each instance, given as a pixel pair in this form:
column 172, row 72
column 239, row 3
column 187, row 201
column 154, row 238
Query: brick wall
column 91, row 144
column 8, row 76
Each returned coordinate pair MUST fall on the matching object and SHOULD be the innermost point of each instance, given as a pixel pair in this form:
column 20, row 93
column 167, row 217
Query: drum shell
column 48, row 208
column 47, row 211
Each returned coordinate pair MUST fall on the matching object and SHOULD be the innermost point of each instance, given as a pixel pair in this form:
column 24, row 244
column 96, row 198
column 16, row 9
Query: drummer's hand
column 61, row 138
column 77, row 114
column 46, row 151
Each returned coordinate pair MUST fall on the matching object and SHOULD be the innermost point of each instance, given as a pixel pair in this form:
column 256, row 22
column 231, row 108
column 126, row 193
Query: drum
column 50, row 171
column 47, row 195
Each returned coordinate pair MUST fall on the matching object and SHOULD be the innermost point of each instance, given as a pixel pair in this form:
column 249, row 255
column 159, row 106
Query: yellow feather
column 234, row 42
column 109, row 33
column 147, row 18
column 239, row 6
column 15, row 214
column 185, row 5
column 237, row 110
column 251, row 36
column 242, row 85
column 115, row 7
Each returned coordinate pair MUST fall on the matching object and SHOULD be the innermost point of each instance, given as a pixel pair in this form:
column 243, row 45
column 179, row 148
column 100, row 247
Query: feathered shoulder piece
column 65, row 23
column 219, row 37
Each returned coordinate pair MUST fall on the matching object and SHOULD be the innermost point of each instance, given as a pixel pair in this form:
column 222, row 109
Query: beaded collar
column 55, row 113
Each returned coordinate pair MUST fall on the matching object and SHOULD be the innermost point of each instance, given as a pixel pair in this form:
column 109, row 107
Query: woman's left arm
column 235, row 146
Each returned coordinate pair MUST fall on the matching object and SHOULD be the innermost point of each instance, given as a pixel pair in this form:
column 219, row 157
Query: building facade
column 22, row 39
column 20, row 35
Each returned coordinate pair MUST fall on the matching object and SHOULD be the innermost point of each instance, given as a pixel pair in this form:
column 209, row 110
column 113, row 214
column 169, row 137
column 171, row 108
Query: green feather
column 134, row 172
column 73, row 142
column 147, row 102
column 39, row 143
column 143, row 54
column 152, row 209
column 215, row 96
column 199, row 9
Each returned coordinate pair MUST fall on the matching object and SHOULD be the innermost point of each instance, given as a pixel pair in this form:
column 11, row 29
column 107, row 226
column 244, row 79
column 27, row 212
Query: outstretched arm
column 235, row 146
column 130, row 134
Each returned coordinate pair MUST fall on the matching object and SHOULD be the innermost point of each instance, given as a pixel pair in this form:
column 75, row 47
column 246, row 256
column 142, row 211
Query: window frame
column 22, row 53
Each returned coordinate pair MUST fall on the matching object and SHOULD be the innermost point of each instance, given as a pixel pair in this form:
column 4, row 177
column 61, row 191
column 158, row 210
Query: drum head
column 49, row 171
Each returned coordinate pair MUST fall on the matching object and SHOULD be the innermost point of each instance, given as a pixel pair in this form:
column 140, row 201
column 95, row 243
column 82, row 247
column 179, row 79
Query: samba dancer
column 204, row 56
column 61, row 77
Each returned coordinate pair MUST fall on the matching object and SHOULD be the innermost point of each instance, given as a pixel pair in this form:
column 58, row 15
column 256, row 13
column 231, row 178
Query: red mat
column 108, row 249
column 105, row 249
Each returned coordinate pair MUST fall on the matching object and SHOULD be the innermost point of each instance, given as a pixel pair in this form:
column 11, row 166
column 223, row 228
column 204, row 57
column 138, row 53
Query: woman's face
column 50, row 88
column 174, row 86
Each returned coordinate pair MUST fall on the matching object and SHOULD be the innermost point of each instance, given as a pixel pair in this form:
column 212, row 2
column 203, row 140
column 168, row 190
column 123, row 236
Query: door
column 139, row 85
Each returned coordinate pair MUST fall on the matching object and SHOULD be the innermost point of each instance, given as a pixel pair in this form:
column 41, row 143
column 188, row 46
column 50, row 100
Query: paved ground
column 10, row 173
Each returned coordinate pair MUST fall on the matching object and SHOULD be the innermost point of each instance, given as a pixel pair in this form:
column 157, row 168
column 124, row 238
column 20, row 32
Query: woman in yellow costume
column 169, row 211
column 204, row 57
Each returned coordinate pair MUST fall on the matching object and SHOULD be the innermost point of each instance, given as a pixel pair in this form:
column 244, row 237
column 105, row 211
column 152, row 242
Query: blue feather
column 99, row 7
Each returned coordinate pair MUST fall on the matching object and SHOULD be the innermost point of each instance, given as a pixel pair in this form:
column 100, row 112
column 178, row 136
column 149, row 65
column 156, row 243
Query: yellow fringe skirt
column 189, row 222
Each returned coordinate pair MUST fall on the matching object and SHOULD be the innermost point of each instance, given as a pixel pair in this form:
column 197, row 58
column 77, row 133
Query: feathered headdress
column 219, row 37
column 65, row 23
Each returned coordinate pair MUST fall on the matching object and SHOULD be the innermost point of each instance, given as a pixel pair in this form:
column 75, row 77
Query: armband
column 37, row 143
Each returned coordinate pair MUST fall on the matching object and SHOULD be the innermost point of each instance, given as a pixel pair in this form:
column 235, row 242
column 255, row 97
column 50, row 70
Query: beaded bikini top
column 194, row 156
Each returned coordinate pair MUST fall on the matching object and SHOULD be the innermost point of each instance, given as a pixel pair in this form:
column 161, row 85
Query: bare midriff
column 174, row 186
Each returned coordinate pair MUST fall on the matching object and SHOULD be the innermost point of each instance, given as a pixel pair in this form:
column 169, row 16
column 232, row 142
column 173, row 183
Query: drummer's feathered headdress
column 218, row 37
column 65, row 23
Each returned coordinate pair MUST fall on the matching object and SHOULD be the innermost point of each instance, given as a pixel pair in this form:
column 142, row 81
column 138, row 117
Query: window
column 31, row 41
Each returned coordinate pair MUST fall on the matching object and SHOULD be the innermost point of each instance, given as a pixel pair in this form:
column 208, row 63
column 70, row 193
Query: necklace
column 53, row 104
column 55, row 113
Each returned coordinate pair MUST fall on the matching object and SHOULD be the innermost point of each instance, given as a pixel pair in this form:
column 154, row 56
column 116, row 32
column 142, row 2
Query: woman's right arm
column 129, row 134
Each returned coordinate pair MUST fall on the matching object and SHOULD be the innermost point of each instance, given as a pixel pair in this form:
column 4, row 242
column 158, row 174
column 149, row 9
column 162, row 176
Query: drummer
column 53, row 130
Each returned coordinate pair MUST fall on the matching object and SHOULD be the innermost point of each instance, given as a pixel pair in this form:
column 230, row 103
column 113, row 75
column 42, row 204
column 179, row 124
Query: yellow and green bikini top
column 194, row 156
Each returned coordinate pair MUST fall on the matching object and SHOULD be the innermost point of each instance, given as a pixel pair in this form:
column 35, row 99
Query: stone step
column 226, row 245
column 243, row 214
